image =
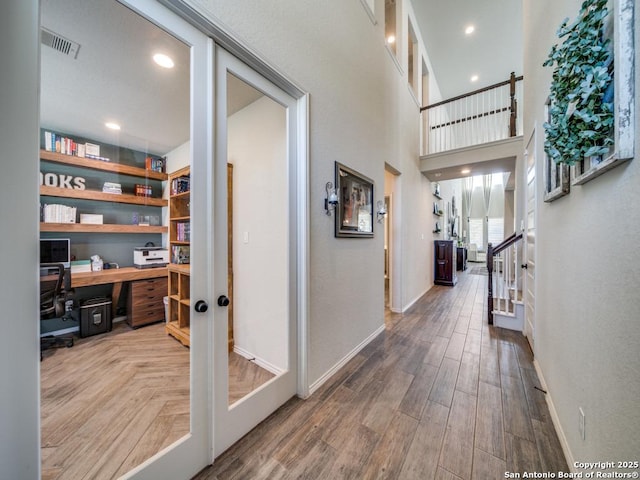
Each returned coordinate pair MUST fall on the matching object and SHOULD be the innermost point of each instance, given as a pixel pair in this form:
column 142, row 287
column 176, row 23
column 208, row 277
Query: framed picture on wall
column 556, row 175
column 354, row 217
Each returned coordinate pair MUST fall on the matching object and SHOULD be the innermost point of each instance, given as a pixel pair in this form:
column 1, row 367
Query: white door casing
column 530, row 240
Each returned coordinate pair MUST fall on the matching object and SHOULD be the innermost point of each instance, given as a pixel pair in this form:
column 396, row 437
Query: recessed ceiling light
column 112, row 126
column 474, row 78
column 469, row 30
column 163, row 60
column 465, row 171
column 391, row 39
column 437, row 175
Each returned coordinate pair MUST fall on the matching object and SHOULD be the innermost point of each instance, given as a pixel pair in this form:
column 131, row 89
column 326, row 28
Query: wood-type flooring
column 113, row 400
column 438, row 395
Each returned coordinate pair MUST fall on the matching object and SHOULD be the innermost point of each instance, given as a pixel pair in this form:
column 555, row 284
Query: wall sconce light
column 381, row 210
column 332, row 198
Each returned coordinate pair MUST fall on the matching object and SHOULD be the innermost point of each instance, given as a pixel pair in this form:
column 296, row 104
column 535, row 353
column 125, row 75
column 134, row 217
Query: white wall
column 587, row 330
column 19, row 137
column 257, row 148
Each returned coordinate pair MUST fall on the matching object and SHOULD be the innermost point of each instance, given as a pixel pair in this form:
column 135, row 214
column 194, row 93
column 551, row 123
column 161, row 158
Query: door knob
column 223, row 301
column 201, row 306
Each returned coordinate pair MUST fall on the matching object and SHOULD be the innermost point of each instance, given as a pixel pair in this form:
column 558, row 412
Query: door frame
column 529, row 278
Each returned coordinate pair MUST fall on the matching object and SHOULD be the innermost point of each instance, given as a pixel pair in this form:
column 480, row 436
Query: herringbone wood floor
column 113, row 400
column 438, row 395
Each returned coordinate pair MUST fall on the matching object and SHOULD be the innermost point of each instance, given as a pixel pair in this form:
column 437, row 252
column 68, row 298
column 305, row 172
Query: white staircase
column 513, row 320
column 506, row 284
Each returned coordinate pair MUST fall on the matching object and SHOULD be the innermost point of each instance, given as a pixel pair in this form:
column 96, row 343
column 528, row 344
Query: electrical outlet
column 581, row 423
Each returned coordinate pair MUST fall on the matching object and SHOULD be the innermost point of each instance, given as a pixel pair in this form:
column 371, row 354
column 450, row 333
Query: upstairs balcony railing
column 485, row 115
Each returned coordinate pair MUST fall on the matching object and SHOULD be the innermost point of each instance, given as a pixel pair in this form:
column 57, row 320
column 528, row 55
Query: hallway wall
column 361, row 115
column 587, row 330
column 19, row 137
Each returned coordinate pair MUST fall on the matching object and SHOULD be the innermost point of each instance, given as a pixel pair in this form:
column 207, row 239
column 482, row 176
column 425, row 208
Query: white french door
column 190, row 454
column 256, row 125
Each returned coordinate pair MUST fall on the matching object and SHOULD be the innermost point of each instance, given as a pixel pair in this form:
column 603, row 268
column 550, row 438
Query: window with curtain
column 476, row 232
column 485, row 198
column 495, row 230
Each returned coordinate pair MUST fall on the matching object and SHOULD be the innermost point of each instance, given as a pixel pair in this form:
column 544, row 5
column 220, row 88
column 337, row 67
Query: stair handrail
column 506, row 243
column 491, row 253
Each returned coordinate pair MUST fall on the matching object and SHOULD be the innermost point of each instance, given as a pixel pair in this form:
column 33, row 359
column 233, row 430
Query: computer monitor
column 56, row 250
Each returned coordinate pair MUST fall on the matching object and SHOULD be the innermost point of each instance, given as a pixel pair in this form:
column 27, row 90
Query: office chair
column 55, row 289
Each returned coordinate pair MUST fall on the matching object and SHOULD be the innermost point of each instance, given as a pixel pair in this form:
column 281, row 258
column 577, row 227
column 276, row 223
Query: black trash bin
column 95, row 316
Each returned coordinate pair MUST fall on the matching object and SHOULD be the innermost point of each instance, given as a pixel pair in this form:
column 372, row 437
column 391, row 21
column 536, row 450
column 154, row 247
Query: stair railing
column 505, row 285
column 484, row 115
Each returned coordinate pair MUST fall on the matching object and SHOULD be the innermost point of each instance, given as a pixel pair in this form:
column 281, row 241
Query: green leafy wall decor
column 581, row 112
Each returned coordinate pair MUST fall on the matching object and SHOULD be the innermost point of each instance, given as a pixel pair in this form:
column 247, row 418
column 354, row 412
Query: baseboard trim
column 555, row 419
column 333, row 370
column 257, row 360
column 414, row 301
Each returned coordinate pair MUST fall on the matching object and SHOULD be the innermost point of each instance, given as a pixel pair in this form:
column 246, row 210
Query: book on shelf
column 80, row 266
column 155, row 164
column 142, row 190
column 56, row 213
column 110, row 187
column 183, row 231
column 180, row 185
column 54, row 142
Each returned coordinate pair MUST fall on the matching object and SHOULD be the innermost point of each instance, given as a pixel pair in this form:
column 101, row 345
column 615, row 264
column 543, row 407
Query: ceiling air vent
column 59, row 43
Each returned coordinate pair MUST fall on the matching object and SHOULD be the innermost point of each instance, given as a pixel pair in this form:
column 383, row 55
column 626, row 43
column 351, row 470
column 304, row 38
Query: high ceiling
column 113, row 79
column 491, row 52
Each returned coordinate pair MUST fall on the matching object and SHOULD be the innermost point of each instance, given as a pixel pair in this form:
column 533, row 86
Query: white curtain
column 467, row 195
column 486, row 192
column 467, row 191
column 505, row 179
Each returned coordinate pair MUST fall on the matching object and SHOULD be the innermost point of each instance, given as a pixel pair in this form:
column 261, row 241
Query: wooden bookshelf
column 102, row 196
column 101, row 228
column 96, row 195
column 101, row 165
column 179, row 322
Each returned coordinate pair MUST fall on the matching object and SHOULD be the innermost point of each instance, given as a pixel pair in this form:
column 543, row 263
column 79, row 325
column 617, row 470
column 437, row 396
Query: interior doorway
column 387, row 245
column 392, row 258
